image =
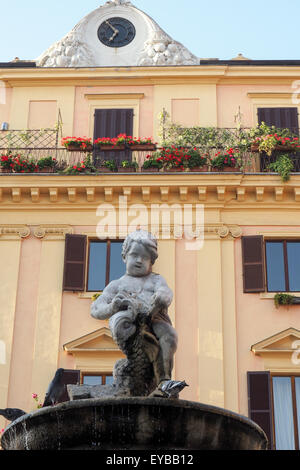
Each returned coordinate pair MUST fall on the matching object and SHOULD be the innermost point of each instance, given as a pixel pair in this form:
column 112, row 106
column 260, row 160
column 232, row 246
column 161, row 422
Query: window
column 284, row 118
column 272, row 265
column 105, row 264
column 91, row 264
column 286, row 411
column 97, row 379
column 283, row 265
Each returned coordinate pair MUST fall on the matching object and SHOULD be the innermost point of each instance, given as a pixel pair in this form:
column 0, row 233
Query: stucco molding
column 52, row 232
column 14, row 232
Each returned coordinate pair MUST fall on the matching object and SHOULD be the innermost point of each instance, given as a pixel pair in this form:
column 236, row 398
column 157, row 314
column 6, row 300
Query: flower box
column 142, row 147
column 104, row 169
column 122, row 169
column 110, row 148
column 175, row 170
column 199, row 169
column 151, row 170
column 75, row 148
column 46, row 169
column 5, row 170
column 281, row 148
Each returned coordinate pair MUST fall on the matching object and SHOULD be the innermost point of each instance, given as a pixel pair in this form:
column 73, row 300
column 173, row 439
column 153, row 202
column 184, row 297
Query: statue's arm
column 163, row 291
column 102, row 308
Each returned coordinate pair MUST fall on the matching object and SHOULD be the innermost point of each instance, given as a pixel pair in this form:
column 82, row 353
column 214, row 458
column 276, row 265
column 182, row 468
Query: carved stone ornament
column 53, row 231
column 22, row 231
column 81, row 47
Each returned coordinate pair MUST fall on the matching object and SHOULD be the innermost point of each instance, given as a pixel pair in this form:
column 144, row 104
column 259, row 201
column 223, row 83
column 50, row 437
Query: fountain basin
column 133, row 424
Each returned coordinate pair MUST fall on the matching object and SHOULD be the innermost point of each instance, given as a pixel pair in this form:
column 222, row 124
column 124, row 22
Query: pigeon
column 11, row 414
column 172, row 388
column 55, row 389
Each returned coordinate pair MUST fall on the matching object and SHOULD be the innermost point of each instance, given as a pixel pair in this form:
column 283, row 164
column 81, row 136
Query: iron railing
column 37, row 144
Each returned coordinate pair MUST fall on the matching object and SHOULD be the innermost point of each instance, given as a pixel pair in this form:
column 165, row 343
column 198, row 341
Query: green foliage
column 283, row 165
column 129, row 164
column 110, row 164
column 283, row 299
column 47, row 162
column 152, row 162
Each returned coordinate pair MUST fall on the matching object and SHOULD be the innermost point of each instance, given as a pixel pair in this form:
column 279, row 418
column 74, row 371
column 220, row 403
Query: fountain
column 141, row 409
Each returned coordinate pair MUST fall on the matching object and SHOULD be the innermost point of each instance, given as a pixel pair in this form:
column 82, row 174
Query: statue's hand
column 121, row 302
column 159, row 300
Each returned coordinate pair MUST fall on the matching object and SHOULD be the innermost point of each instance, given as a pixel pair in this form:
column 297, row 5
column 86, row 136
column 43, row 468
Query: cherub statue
column 142, row 290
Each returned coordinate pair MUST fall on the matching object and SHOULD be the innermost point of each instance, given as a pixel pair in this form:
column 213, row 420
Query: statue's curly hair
column 146, row 239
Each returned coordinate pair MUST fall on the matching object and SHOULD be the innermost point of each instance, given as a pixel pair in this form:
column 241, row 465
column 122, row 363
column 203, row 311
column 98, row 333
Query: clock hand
column 114, row 35
column 114, row 29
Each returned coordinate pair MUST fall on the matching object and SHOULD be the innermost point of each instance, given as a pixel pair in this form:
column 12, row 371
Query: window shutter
column 284, row 118
column 75, row 260
column 69, row 377
column 260, row 402
column 253, row 264
column 111, row 123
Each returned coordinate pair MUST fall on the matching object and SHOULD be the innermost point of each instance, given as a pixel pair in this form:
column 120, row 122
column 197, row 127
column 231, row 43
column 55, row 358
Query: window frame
column 95, row 374
column 285, row 259
column 108, row 242
column 292, row 376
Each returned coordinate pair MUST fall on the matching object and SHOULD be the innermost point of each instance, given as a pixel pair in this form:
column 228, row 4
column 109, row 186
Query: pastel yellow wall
column 22, row 96
column 257, row 317
column 232, row 97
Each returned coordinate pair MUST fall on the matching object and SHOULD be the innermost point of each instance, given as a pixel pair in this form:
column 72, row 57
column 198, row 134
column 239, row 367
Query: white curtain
column 297, row 387
column 283, row 413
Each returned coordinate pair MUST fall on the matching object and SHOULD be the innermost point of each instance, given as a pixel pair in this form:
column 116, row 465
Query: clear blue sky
column 260, row 29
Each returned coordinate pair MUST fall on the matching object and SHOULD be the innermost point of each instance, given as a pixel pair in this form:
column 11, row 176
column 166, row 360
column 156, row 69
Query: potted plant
column 226, row 161
column 128, row 166
column 172, row 158
column 110, row 143
column 47, row 165
column 283, row 165
column 285, row 299
column 267, row 139
column 196, row 161
column 77, row 144
column 7, row 163
column 24, row 165
column 145, row 144
column 151, row 165
column 107, row 166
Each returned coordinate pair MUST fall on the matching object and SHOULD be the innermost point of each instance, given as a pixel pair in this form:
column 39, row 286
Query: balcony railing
column 37, row 144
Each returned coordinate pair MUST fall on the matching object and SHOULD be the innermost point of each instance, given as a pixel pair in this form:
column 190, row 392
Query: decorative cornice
column 52, row 232
column 14, row 231
column 114, row 96
column 238, row 191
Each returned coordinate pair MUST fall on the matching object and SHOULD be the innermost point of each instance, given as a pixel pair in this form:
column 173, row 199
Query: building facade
column 236, row 349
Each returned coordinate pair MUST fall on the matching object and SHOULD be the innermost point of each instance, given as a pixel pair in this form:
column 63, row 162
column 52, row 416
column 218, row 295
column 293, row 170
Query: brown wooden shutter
column 253, row 263
column 111, row 123
column 69, row 377
column 75, row 260
column 284, row 118
column 260, row 402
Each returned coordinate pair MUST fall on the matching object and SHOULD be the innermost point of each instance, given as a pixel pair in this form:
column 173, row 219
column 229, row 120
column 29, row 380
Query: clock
column 116, row 32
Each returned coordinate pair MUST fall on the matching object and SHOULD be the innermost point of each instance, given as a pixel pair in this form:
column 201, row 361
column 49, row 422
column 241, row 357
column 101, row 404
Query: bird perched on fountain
column 172, row 388
column 11, row 414
column 55, row 389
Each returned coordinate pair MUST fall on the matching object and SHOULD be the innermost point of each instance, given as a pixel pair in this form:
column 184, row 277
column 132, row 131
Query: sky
column 259, row 29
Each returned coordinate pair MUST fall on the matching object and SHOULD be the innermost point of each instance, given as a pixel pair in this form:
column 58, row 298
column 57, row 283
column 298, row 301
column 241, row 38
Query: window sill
column 87, row 295
column 271, row 295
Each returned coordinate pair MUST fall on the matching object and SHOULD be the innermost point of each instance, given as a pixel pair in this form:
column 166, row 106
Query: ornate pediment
column 91, row 41
column 280, row 352
column 99, row 340
column 281, row 342
column 95, row 352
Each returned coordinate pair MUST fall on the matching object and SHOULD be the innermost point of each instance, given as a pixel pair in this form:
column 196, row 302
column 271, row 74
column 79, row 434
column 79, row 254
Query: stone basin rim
column 138, row 401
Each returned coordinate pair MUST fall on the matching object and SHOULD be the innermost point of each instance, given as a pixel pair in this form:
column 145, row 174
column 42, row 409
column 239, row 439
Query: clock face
column 116, row 32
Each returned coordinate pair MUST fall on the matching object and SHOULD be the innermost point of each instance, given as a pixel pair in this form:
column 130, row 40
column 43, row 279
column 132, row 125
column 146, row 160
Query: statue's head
column 139, row 253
